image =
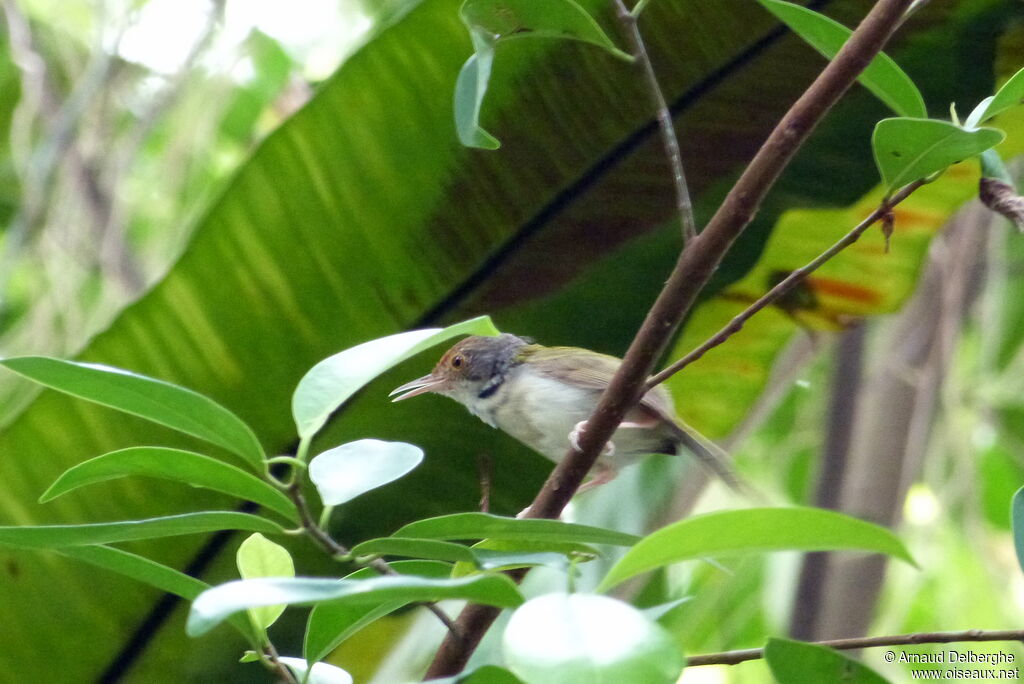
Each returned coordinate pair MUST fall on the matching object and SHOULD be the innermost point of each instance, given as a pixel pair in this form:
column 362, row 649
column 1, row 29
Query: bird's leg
column 577, row 432
column 603, row 474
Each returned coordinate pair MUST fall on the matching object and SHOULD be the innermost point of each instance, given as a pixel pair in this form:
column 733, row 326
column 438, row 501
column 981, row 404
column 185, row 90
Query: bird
column 543, row 396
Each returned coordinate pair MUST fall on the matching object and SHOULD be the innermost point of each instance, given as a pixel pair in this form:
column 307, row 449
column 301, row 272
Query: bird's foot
column 603, row 475
column 577, row 432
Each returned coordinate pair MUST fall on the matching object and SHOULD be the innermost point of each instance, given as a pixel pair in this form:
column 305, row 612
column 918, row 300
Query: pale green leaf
column 796, row 662
column 257, row 556
column 344, row 472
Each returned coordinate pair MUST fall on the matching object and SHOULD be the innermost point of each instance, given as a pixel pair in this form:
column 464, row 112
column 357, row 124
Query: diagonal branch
column 783, row 287
column 697, row 262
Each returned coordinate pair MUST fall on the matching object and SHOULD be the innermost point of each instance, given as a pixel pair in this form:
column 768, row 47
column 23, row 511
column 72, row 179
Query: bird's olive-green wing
column 593, row 371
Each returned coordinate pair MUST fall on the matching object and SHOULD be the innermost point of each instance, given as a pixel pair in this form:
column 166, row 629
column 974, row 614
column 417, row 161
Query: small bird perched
column 543, row 396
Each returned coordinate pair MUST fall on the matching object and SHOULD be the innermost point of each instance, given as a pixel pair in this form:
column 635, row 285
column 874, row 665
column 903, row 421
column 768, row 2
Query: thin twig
column 341, row 552
column 696, row 264
column 734, row 657
column 668, row 132
column 785, row 286
column 284, row 673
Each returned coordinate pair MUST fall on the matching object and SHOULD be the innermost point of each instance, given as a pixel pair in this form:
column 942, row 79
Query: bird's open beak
column 428, row 383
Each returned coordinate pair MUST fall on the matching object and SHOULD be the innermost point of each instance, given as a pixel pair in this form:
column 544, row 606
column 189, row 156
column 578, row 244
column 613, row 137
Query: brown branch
column 734, row 657
column 668, row 132
column 786, row 285
column 697, row 262
column 341, row 552
column 284, row 673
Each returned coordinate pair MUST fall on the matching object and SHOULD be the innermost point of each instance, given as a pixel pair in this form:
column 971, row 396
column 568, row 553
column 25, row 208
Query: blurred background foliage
column 221, row 192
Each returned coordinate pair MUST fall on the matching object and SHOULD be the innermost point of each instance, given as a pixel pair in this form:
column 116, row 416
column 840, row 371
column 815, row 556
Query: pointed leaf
column 470, row 89
column 330, row 624
column 344, row 472
column 214, row 605
column 796, row 662
column 582, row 638
column 1010, row 95
column 883, row 77
column 486, row 526
column 149, row 572
column 430, row 549
column 259, row 557
column 565, row 19
column 907, row 150
column 491, row 21
column 173, row 464
column 149, row 398
column 331, row 382
column 49, row 536
column 753, row 530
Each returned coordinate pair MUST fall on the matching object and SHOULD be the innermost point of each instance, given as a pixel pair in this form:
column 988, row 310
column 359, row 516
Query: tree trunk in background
column 892, row 421
column 846, row 387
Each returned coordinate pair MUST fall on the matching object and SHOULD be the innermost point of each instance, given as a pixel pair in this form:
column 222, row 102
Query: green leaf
column 214, row 605
column 907, row 150
column 415, row 548
column 1017, row 524
column 152, row 573
column 330, row 624
column 173, row 464
column 344, row 472
column 797, row 662
column 320, row 673
column 563, row 19
column 149, row 398
column 583, row 638
column 1010, row 95
column 492, row 21
column 992, row 166
column 753, row 530
column 486, row 674
column 470, row 89
column 487, row 526
column 257, row 556
column 49, row 536
column 883, row 77
column 331, row 382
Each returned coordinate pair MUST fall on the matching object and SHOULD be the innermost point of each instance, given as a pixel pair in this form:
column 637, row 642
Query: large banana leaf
column 362, row 216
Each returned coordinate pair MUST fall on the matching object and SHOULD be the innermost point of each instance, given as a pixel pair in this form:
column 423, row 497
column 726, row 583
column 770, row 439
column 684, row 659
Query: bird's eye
column 457, row 362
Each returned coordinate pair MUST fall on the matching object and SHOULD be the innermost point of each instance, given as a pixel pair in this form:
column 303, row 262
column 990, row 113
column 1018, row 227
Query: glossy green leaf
column 257, row 557
column 487, row 674
column 173, row 464
column 320, row 673
column 344, row 472
column 907, row 150
column 330, row 624
column 797, row 662
column 493, row 21
column 334, row 380
column 753, row 530
column 430, row 549
column 214, row 605
column 563, row 19
column 976, row 115
column 491, row 554
column 1017, row 524
column 487, row 526
column 149, row 572
column 883, row 77
column 149, row 398
column 50, row 536
column 583, row 638
column 1009, row 95
column 470, row 89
